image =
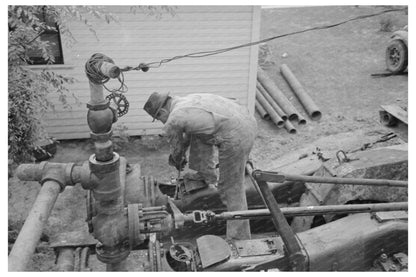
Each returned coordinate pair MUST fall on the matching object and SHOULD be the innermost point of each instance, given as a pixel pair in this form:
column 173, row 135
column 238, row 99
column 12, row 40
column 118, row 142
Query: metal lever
column 296, row 257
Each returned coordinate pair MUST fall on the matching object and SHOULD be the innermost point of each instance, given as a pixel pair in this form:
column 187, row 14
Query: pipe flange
column 104, row 167
column 134, row 225
column 68, row 174
column 112, row 256
column 54, row 174
column 102, row 136
column 98, row 107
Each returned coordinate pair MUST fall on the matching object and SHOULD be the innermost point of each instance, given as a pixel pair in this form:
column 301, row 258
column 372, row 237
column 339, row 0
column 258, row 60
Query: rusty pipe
column 69, row 172
column 109, row 225
column 273, row 114
column 272, row 102
column 110, row 70
column 107, row 69
column 277, row 94
column 121, row 266
column 304, row 98
column 31, row 231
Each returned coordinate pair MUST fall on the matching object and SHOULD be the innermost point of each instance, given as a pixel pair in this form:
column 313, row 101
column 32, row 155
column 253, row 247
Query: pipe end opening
column 293, row 116
column 316, row 115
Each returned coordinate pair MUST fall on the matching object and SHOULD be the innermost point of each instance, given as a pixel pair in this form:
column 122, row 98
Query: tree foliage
column 29, row 89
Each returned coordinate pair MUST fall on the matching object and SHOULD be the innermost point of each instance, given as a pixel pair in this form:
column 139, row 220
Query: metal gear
column 120, row 101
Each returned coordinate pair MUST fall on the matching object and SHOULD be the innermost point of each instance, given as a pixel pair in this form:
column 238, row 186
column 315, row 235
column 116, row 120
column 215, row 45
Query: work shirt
column 204, row 115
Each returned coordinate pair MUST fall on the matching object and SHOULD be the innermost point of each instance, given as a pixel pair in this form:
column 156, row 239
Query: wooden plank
column 396, row 111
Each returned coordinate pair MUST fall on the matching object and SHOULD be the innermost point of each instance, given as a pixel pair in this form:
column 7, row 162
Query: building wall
column 138, row 38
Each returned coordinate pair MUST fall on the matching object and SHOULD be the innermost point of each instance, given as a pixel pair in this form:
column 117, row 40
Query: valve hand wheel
column 120, row 102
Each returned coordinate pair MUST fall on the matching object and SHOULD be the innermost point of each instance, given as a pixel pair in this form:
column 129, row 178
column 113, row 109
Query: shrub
column 29, row 89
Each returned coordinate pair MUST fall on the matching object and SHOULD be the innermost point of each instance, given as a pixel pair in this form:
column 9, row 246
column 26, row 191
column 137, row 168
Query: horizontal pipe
column 277, row 94
column 262, row 112
column 346, row 181
column 315, row 210
column 110, row 70
column 276, row 177
column 304, row 98
column 272, row 102
column 29, row 235
column 273, row 114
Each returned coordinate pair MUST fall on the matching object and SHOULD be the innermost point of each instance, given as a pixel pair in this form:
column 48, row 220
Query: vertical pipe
column 120, row 266
column 66, row 259
column 304, row 98
column 31, row 231
column 96, row 94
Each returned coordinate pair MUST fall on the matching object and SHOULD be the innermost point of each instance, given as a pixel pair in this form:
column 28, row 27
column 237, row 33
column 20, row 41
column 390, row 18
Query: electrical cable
column 92, row 66
column 220, row 51
column 94, row 74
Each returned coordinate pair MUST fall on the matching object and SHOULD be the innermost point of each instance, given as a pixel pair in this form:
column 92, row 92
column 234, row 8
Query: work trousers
column 233, row 152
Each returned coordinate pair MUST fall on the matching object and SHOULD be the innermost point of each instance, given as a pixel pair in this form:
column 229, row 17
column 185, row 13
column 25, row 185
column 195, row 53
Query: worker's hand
column 178, row 164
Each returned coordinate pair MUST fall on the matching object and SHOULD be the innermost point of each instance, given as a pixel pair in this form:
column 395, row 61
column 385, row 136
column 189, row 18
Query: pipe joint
column 98, row 167
column 112, row 233
column 101, row 136
column 55, row 174
column 63, row 174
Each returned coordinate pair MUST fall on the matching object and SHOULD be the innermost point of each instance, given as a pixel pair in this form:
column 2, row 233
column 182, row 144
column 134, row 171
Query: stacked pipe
column 310, row 107
column 272, row 104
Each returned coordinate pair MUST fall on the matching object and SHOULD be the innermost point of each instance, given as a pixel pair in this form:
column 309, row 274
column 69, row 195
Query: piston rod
column 315, row 210
column 280, row 178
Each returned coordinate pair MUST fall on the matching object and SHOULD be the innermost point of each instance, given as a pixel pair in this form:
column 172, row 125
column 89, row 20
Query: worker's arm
column 178, row 141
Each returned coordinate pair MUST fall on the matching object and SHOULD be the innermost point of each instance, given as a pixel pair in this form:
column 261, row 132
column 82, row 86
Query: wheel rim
column 394, row 56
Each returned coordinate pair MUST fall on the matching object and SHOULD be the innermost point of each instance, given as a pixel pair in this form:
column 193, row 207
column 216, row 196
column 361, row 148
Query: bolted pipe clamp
column 55, row 174
column 98, row 107
column 101, row 136
column 104, row 167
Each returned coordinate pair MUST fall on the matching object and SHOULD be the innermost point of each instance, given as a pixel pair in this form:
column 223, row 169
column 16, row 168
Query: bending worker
column 204, row 122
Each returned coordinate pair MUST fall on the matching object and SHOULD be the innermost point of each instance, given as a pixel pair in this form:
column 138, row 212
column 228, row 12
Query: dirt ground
column 334, row 65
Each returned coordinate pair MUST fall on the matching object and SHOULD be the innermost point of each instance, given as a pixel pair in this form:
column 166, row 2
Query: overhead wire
column 220, row 51
column 94, row 74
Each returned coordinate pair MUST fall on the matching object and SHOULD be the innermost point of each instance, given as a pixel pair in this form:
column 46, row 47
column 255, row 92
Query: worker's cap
column 155, row 102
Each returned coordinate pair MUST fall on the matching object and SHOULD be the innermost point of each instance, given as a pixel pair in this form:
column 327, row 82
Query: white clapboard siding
column 136, row 38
